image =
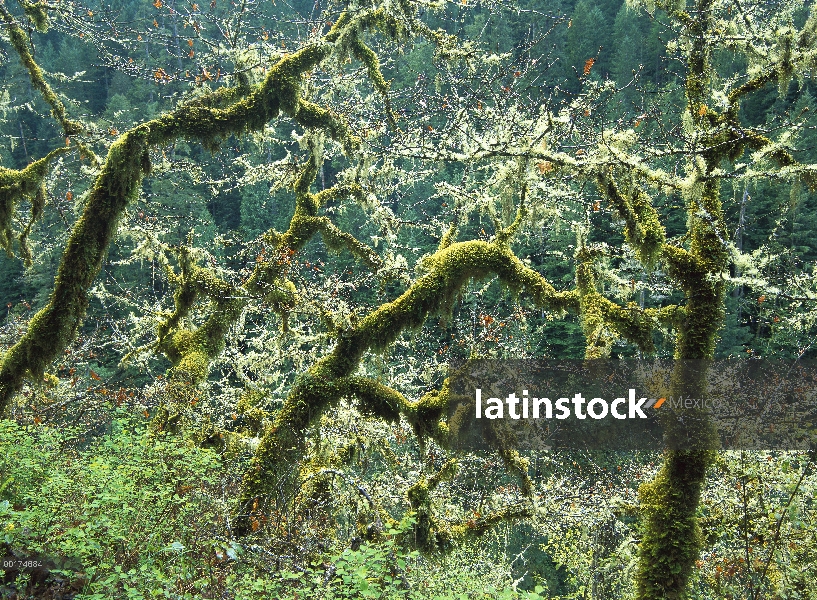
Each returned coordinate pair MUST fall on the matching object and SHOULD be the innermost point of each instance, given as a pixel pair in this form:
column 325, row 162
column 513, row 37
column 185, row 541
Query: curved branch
column 208, row 120
column 642, row 227
column 327, row 381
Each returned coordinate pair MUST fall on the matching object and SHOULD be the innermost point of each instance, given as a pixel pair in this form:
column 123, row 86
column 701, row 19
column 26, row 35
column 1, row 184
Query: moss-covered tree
column 503, row 158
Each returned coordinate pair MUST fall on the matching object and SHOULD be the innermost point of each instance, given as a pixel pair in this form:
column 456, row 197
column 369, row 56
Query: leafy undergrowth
column 124, row 515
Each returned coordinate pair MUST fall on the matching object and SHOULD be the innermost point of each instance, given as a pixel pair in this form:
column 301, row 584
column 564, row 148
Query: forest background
column 132, row 477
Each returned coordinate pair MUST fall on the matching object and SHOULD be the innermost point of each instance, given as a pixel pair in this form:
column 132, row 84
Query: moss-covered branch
column 19, row 41
column 16, row 185
column 328, row 380
column 54, row 326
column 603, row 320
column 209, row 120
column 642, row 227
column 431, row 534
column 192, row 350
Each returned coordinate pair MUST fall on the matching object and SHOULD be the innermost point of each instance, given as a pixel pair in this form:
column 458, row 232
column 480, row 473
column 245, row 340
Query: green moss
column 208, row 120
column 15, row 186
column 36, row 12
column 53, row 327
column 603, row 320
column 249, row 407
column 672, row 538
column 19, row 40
column 376, row 399
column 642, row 227
column 367, row 56
column 448, row 271
column 428, row 534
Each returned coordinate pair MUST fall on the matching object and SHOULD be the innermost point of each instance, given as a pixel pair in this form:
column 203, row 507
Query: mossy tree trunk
column 671, row 541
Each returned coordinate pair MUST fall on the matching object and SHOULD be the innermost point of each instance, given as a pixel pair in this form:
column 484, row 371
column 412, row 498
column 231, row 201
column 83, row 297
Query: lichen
column 36, row 12
column 642, row 228
column 209, row 120
column 330, row 378
column 17, row 185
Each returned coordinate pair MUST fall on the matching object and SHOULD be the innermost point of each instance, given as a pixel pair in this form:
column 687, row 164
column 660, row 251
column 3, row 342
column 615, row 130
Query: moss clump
column 15, row 186
column 428, row 534
column 642, row 228
column 672, row 540
column 376, row 399
column 249, row 407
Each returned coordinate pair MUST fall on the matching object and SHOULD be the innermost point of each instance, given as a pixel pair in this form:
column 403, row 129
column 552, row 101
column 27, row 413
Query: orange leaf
column 95, row 376
column 69, row 196
column 146, row 413
column 588, row 64
column 189, row 42
column 702, row 110
column 762, row 299
column 545, row 167
column 155, row 23
column 158, row 4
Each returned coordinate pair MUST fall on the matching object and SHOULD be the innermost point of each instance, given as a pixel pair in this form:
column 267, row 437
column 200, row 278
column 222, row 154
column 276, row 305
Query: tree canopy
column 267, row 230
